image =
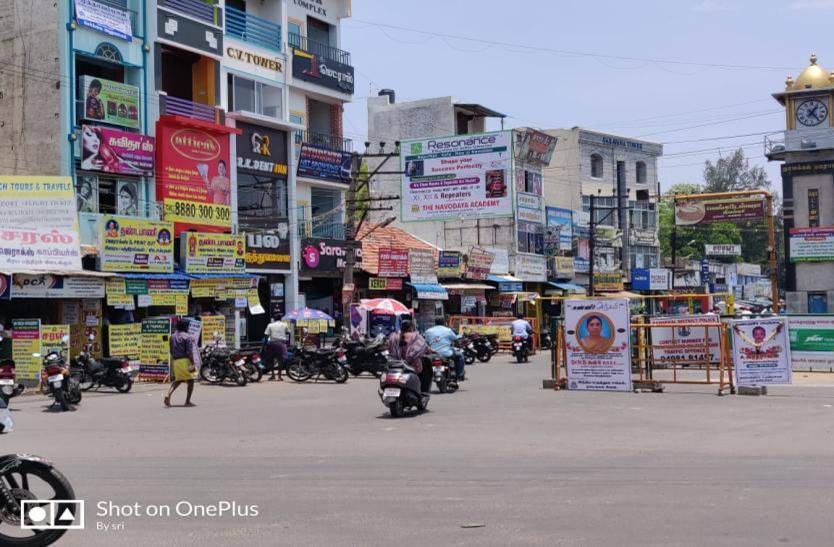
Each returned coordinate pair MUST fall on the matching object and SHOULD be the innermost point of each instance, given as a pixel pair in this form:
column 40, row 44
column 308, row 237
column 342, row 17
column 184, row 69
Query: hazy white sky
column 621, row 87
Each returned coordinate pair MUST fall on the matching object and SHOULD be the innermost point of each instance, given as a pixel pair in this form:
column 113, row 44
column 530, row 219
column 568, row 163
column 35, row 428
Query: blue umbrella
column 307, row 314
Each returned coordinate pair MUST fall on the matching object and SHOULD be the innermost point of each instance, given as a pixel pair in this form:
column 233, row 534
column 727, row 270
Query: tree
column 734, row 174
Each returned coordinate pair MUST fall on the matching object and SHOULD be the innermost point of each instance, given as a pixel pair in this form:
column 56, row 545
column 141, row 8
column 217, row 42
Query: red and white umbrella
column 385, row 306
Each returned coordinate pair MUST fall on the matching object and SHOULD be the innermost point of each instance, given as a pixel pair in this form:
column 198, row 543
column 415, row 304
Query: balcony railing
column 317, row 48
column 253, row 29
column 175, row 106
column 204, row 11
column 331, row 142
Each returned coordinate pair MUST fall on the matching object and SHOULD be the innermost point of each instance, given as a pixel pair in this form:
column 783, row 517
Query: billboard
column 267, row 252
column 109, row 102
column 261, row 150
column 531, row 267
column 449, row 264
column 597, row 345
column 651, row 279
column 689, row 212
column 812, row 341
column 812, row 244
column 685, row 344
column 478, row 263
column 533, row 146
column 464, row 176
column 421, row 266
column 392, row 262
column 136, row 245
column 322, row 71
column 115, row 151
column 104, row 18
column 721, row 249
column 563, row 218
column 213, row 253
column 318, row 162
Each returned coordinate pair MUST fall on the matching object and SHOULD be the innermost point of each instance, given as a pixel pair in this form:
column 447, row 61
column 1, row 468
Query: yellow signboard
column 52, row 337
column 608, row 281
column 213, row 253
column 131, row 244
column 120, row 300
column 26, row 340
column 191, row 212
column 212, row 324
column 125, row 340
column 114, row 285
column 181, row 304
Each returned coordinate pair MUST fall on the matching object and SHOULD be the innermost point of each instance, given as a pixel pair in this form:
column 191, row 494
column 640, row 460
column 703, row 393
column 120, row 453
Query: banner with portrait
column 761, row 351
column 597, row 345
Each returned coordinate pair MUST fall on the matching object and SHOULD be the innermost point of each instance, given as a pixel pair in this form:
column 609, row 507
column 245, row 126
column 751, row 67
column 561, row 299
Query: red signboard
column 690, row 212
column 192, row 176
column 115, row 151
column 393, row 262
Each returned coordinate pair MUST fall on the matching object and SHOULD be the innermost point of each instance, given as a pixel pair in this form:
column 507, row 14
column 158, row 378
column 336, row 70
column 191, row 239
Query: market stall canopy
column 467, row 286
column 374, row 238
column 384, row 306
column 569, row 287
column 307, row 314
column 503, row 278
column 430, row 291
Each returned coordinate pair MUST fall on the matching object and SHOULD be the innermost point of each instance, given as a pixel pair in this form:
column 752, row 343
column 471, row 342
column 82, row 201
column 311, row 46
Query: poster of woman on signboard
column 595, row 333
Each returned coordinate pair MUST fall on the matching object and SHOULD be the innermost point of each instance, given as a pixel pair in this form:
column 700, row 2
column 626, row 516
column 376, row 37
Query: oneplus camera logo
column 52, row 514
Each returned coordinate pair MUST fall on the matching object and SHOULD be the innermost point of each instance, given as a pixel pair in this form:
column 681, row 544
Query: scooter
column 56, row 381
column 444, row 374
column 399, row 389
column 9, row 387
column 521, row 351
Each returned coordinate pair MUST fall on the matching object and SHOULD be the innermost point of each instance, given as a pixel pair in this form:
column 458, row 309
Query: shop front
column 322, row 264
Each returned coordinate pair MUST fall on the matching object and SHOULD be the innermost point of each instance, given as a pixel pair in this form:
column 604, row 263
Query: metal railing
column 317, row 48
column 198, row 9
column 253, row 29
column 182, row 107
column 325, row 140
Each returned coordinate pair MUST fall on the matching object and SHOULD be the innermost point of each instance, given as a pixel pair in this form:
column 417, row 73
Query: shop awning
column 503, row 278
column 64, row 273
column 570, row 287
column 430, row 291
column 467, row 286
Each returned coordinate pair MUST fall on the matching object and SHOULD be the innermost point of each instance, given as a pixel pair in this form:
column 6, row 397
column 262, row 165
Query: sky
column 696, row 75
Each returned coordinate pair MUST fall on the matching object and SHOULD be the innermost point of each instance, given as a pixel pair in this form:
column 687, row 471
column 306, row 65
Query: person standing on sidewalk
column 275, row 349
column 185, row 361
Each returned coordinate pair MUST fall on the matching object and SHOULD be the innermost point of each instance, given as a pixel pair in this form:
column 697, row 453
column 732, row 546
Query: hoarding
column 761, row 353
column 213, row 253
column 597, row 345
column 56, row 286
column 110, row 102
column 456, row 177
column 136, row 245
column 421, row 266
column 38, row 224
column 530, row 267
column 563, row 218
column 318, row 162
column 533, row 146
column 651, row 279
column 478, row 263
column 104, row 18
column 114, row 151
column 721, row 249
column 812, row 341
column 322, row 71
column 26, row 341
column 812, row 244
column 684, row 343
column 693, row 211
column 392, row 262
column 268, row 252
column 608, row 281
column 261, row 150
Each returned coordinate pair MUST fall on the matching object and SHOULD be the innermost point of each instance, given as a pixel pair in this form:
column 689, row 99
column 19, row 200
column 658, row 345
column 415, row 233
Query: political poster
column 38, row 224
column 213, row 253
column 684, row 343
column 761, row 353
column 812, row 342
column 155, row 353
column 597, row 345
column 136, row 245
column 110, row 102
column 26, row 341
column 125, row 340
column 464, row 176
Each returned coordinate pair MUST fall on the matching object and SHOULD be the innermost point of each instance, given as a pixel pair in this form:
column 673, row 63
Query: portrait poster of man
column 761, row 351
column 598, row 345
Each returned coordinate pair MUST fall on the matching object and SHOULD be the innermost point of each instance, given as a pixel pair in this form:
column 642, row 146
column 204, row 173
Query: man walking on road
column 185, row 361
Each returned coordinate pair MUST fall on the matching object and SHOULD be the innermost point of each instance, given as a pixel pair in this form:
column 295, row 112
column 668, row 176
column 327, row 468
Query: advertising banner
column 125, row 340
column 563, row 218
column 114, row 151
column 213, row 324
column 56, row 286
column 464, row 176
column 392, row 262
column 529, row 267
column 213, row 253
column 812, row 341
column 110, row 102
column 385, row 283
column 563, row 267
column 193, row 177
column 651, row 279
column 812, row 244
column 52, row 338
column 478, row 263
column 529, row 207
column 26, row 340
column 597, row 345
column 268, row 252
column 691, row 212
column 322, row 71
column 761, row 353
column 318, row 162
column 328, row 255
column 421, row 266
column 261, row 150
column 104, row 18
column 608, row 281
column 720, row 249
column 155, row 353
column 533, row 146
column 684, row 343
column 136, row 245
column 449, row 264
column 38, row 224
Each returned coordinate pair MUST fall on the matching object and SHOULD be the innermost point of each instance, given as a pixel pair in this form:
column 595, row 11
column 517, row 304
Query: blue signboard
column 317, row 162
column 640, row 279
column 556, row 216
column 510, row 286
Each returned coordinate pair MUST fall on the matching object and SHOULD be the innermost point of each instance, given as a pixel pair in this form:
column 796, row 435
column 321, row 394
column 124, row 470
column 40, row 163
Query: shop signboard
column 500, row 260
column 478, row 263
column 529, row 207
column 684, row 344
column 687, row 278
column 651, row 279
column 722, row 249
column 752, row 270
column 530, row 267
column 563, row 218
column 761, row 353
column 26, row 340
column 689, row 212
column 421, row 267
column 812, row 341
column 392, row 262
column 38, row 224
column 385, row 284
column 449, row 264
column 212, row 325
column 608, row 281
column 321, row 163
column 115, row 151
column 104, row 18
column 322, row 71
column 597, row 345
column 581, row 265
column 155, row 355
column 213, row 253
column 533, row 146
column 193, row 177
column 812, row 244
column 563, row 267
column 52, row 338
column 261, row 151
column 328, row 255
column 109, row 102
column 56, row 286
column 464, row 176
column 268, row 252
column 130, row 244
column 250, row 59
column 510, row 286
column 184, row 29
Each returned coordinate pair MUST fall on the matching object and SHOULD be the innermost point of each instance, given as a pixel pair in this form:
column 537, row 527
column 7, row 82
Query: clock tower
column 807, row 149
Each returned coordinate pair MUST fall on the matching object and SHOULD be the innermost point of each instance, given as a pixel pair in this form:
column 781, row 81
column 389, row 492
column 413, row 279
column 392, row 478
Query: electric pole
column 591, row 249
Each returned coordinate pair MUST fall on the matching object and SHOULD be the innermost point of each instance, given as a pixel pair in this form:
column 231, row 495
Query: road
column 326, row 466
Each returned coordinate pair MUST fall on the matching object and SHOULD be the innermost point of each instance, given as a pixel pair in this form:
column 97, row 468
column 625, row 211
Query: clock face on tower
column 811, row 112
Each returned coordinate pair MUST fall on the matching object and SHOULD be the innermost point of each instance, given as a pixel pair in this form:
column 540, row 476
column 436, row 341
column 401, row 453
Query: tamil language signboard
column 812, row 244
column 463, row 176
column 722, row 249
column 478, row 263
column 115, row 151
column 213, row 253
column 421, row 267
column 104, row 18
column 110, row 102
column 597, row 345
column 392, row 262
column 761, row 354
column 693, row 211
column 449, row 264
column 130, row 244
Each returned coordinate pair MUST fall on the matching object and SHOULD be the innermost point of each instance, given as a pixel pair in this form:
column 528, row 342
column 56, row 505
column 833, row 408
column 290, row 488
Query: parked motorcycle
column 444, row 373
column 481, row 347
column 467, row 349
column 56, row 381
column 24, row 477
column 112, row 372
column 545, row 340
column 399, row 389
column 370, row 355
column 306, row 363
column 521, row 349
column 252, row 365
column 9, row 386
column 219, row 366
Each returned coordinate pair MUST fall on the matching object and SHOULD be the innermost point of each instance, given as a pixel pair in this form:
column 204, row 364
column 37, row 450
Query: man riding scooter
column 521, row 327
column 441, row 339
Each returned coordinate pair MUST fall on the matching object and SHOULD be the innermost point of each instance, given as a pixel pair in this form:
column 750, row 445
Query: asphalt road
column 326, row 466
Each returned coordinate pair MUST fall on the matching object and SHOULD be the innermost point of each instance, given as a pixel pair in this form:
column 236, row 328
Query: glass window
column 250, row 96
column 271, row 101
column 294, row 34
column 596, row 166
column 641, row 171
column 110, row 195
column 260, row 200
column 243, row 94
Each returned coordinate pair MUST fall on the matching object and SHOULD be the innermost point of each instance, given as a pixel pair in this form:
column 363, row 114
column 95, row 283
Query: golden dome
column 813, row 77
